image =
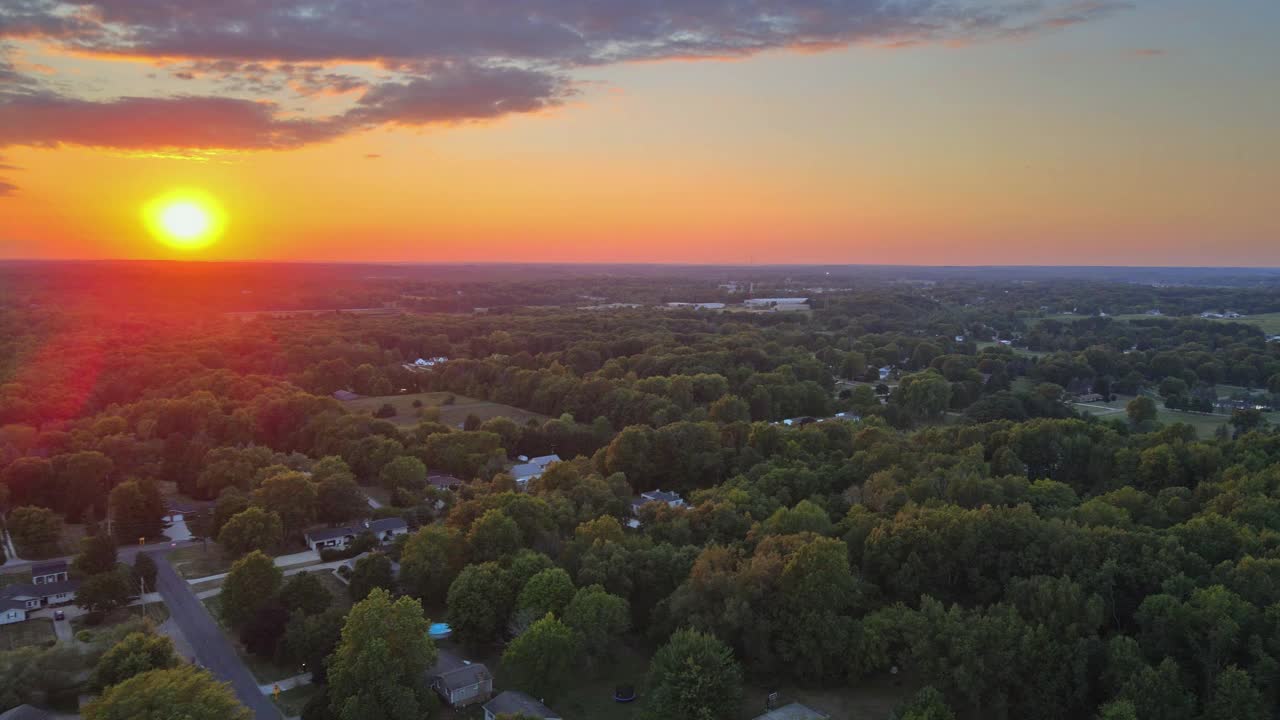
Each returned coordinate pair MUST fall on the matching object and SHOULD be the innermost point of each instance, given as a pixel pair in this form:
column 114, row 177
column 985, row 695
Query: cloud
column 561, row 32
column 7, row 188
column 451, row 94
column 423, row 62
column 132, row 123
column 1150, row 52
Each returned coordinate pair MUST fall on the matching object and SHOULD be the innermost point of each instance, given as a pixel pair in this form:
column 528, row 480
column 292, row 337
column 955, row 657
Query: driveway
column 212, row 648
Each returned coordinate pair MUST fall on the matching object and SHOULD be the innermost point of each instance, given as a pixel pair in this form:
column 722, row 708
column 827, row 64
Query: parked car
column 59, row 615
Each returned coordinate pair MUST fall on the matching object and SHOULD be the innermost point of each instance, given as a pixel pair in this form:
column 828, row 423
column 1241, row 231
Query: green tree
column 292, row 497
column 547, row 592
column 104, row 592
column 304, row 592
column 1118, row 710
column 1141, row 412
column 694, row 677
column 406, row 472
column 34, row 527
column 924, row 396
column 181, row 692
column 310, row 639
column 137, row 653
column 541, row 659
column 97, row 555
column 144, row 572
column 928, row 704
column 479, row 602
column 371, row 571
column 430, row 561
column 598, row 618
column 338, row 498
column 230, row 503
column 251, row 584
column 494, row 536
column 254, row 529
column 730, row 409
column 379, row 669
column 1235, row 697
column 137, row 510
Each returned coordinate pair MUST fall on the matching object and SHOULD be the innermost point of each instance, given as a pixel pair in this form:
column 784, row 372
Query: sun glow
column 185, row 219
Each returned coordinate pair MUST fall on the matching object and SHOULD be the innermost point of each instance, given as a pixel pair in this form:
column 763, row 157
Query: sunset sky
column 1141, row 132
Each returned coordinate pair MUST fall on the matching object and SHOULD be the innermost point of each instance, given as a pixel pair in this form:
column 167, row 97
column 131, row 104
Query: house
column 794, row 711
column 51, row 572
column 460, row 682
column 385, row 530
column 25, row 712
column 345, row 396
column 514, row 702
column 773, row 302
column 424, row 363
column 800, row 421
column 885, row 372
column 526, row 471
column 19, row 600
column 544, row 460
column 697, row 305
column 1090, row 398
column 672, row 500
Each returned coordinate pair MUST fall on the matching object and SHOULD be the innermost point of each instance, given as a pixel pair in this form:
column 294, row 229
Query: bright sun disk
column 185, row 220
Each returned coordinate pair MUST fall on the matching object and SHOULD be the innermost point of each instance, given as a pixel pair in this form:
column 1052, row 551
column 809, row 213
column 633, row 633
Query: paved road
column 124, row 553
column 213, row 650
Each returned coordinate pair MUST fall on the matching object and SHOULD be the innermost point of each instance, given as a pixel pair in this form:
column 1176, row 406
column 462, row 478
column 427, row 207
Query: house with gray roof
column 460, row 682
column 384, row 530
column 514, row 702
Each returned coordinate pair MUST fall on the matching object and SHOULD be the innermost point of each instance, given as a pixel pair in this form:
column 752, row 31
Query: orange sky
column 1073, row 147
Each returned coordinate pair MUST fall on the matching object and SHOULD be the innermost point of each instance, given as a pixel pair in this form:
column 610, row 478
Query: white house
column 50, row 586
column 672, row 500
column 532, row 468
column 385, row 530
column 697, row 305
column 773, row 302
column 514, row 702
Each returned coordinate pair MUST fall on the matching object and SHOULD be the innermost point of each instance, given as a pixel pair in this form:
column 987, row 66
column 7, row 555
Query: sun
column 184, row 219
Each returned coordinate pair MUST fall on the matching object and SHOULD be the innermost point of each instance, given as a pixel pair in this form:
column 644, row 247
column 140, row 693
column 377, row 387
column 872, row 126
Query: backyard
column 1204, row 423
column 36, row 631
column 452, row 412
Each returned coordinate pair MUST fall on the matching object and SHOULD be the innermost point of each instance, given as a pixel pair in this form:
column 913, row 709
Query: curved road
column 213, row 650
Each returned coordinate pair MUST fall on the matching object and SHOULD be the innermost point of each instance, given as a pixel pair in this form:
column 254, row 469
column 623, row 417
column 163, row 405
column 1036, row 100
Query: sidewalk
column 308, row 558
column 286, row 684
column 289, row 568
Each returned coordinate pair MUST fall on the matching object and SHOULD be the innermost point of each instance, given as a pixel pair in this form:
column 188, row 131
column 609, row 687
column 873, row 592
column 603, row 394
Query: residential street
column 213, row 650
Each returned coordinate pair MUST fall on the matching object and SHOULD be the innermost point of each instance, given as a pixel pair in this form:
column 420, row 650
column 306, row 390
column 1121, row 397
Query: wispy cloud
column 428, row 61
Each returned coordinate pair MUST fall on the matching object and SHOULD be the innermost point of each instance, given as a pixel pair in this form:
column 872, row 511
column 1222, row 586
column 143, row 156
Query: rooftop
column 514, row 702
column 49, row 568
column 463, row 676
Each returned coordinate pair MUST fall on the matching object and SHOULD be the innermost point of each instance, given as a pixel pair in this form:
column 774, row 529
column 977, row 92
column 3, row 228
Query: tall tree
column 431, row 559
column 479, row 602
column 379, row 669
column 137, row 653
column 291, row 496
column 254, row 529
column 598, row 618
column 494, row 536
column 104, row 592
column 371, row 571
column 97, row 555
column 540, row 660
column 144, row 572
column 694, row 677
column 181, row 692
column 137, row 510
column 252, row 583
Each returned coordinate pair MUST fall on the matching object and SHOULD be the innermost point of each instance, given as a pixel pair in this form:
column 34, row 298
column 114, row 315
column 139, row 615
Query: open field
column 451, row 413
column 1205, row 424
column 1269, row 322
column 1016, row 350
column 36, row 631
column 156, row 612
column 199, row 561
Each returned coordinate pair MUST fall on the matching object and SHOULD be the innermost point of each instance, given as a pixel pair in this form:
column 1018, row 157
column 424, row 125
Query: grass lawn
column 1269, row 322
column 36, row 631
column 982, row 345
column 199, row 561
column 14, row 578
column 872, row 700
column 292, row 701
column 264, row 670
column 1205, row 424
column 453, row 414
column 336, row 588
column 156, row 612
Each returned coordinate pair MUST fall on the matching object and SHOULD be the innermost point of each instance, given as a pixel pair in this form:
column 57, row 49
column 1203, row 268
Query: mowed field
column 452, row 414
column 1269, row 322
column 1204, row 424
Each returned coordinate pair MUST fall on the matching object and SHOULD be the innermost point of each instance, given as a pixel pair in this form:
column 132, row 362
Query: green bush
column 84, row 636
